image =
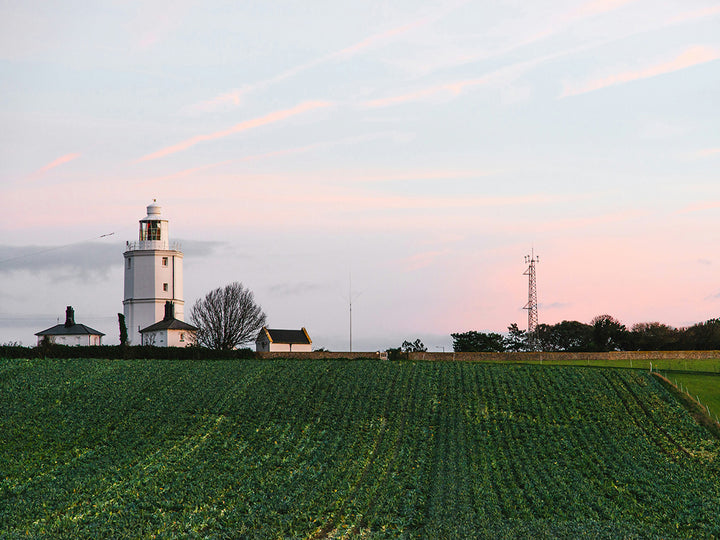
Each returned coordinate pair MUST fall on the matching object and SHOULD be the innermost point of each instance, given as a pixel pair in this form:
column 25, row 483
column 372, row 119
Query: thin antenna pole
column 350, row 299
column 532, row 304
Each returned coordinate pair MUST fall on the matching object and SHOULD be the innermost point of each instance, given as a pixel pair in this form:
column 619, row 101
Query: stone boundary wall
column 501, row 357
column 560, row 356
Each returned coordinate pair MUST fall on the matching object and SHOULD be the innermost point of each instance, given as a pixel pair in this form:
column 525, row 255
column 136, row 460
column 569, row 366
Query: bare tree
column 227, row 317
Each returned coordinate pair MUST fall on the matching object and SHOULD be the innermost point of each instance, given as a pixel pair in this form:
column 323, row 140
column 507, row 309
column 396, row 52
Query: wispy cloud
column 691, row 57
column 59, row 161
column 570, row 17
column 455, row 88
column 558, row 25
column 270, row 118
column 234, row 97
column 694, row 15
column 451, row 89
column 394, row 135
column 384, row 37
column 183, row 173
column 699, row 207
column 708, row 152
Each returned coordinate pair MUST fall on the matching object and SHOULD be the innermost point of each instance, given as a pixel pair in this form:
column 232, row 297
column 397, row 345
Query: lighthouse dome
column 153, row 212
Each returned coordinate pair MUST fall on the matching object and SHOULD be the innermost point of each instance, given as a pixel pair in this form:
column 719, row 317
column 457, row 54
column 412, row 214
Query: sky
column 398, row 157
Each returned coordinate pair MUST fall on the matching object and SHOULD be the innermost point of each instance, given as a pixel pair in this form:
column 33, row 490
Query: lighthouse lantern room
column 153, row 275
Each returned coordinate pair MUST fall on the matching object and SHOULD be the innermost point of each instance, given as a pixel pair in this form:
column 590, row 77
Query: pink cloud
column 708, row 152
column 691, row 57
column 697, row 14
column 452, row 89
column 232, row 98
column 699, row 207
column 455, row 88
column 270, row 118
column 567, row 18
column 399, row 30
column 59, row 161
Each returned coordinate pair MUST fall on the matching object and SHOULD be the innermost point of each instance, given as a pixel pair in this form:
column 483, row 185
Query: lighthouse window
column 165, row 287
column 164, row 261
column 129, row 263
column 149, row 230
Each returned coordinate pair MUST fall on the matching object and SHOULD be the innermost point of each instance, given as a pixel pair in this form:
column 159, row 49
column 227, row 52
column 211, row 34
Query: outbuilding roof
column 275, row 335
column 169, row 324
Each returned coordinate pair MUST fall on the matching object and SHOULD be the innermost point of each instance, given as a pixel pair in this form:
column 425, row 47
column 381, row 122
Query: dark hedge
column 119, row 352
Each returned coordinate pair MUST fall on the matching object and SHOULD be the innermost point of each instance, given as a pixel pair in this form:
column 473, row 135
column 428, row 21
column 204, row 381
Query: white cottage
column 71, row 333
column 274, row 340
column 169, row 332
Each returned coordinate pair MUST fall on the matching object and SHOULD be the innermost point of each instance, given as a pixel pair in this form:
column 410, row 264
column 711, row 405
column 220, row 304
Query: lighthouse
column 153, row 275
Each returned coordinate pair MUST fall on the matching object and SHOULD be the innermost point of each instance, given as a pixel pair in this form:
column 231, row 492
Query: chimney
column 69, row 317
column 169, row 311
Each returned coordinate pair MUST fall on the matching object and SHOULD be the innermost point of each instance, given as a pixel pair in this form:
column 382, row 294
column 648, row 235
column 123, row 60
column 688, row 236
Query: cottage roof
column 75, row 329
column 275, row 335
column 69, row 328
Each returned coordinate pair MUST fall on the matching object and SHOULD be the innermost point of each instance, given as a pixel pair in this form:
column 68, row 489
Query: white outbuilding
column 169, row 332
column 275, row 340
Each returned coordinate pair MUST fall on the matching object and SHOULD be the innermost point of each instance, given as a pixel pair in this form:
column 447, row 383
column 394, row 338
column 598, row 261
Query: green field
column 703, row 386
column 331, row 449
column 700, row 376
column 700, row 365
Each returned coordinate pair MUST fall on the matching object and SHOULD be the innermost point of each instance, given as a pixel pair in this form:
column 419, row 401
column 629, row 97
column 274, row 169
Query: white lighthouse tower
column 153, row 275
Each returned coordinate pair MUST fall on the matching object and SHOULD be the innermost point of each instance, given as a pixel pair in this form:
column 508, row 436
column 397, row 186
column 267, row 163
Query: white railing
column 153, row 244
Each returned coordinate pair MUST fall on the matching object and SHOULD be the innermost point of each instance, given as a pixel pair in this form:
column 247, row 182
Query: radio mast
column 532, row 305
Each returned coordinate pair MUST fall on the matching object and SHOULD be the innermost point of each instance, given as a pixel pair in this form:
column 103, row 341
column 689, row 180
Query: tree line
column 604, row 333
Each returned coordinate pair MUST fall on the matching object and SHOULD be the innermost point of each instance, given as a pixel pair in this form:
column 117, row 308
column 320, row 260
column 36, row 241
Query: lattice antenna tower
column 532, row 304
